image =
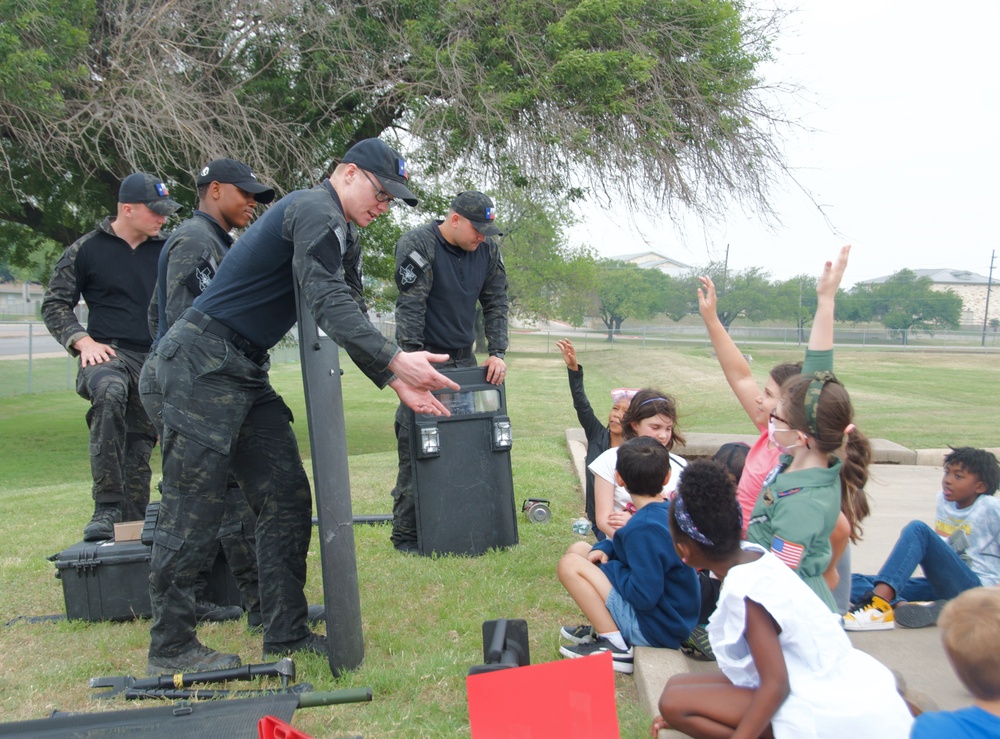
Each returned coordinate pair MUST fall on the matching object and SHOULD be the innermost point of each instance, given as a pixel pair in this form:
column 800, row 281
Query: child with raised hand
column 600, row 438
column 822, row 471
column 788, row 669
column 633, row 588
column 961, row 552
column 650, row 413
column 758, row 403
column 970, row 633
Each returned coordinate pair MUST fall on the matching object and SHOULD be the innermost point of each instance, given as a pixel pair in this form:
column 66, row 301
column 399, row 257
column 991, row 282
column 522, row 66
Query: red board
column 572, row 698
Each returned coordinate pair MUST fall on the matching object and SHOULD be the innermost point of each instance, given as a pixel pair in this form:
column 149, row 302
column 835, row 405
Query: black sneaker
column 582, row 634
column 622, row 657
column 697, row 645
column 916, row 614
column 102, row 524
column 206, row 610
column 313, row 643
column 197, row 659
column 255, row 621
column 407, row 547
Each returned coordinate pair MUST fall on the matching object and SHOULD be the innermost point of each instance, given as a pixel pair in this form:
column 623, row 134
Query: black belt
column 217, row 328
column 129, row 346
column 464, row 353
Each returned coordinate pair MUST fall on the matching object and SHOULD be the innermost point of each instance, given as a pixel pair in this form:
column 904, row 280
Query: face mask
column 770, row 437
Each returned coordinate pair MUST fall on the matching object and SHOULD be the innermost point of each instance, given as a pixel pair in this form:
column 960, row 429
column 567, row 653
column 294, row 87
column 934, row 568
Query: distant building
column 21, row 299
column 969, row 286
column 656, row 260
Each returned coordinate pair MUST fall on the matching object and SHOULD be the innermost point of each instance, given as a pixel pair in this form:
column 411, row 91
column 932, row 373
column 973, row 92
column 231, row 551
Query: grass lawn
column 422, row 617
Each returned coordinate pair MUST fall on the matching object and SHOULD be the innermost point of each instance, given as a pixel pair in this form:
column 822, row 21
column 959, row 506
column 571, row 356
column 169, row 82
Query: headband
column 683, row 519
column 653, row 400
column 623, row 393
column 811, row 400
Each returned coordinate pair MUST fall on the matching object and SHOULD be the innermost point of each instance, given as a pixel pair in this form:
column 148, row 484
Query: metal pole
column 989, row 283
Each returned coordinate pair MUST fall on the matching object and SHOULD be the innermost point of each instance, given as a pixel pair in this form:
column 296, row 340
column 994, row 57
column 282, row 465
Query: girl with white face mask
column 812, row 427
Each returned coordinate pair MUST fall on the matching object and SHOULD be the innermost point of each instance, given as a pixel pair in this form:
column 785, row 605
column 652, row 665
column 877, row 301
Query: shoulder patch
column 787, row 551
column 410, row 269
column 201, row 276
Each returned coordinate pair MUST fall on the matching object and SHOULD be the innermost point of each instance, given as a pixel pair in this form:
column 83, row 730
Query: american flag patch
column 788, row 552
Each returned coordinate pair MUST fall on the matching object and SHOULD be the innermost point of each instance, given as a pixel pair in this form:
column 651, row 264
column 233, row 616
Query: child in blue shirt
column 634, row 588
column 961, row 552
column 970, row 632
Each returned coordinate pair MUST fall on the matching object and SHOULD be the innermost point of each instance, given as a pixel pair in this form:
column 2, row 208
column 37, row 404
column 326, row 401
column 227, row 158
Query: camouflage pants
column 404, row 509
column 237, row 533
column 121, row 435
column 220, row 413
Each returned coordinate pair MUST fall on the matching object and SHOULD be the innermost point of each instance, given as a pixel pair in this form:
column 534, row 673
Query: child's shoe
column 581, row 634
column 916, row 614
column 697, row 646
column 872, row 614
column 622, row 657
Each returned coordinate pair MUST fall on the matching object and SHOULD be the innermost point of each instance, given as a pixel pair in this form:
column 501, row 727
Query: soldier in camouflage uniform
column 220, row 412
column 114, row 269
column 443, row 269
column 228, row 193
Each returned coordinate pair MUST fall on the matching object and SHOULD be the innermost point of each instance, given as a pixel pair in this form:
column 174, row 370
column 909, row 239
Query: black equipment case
column 109, row 581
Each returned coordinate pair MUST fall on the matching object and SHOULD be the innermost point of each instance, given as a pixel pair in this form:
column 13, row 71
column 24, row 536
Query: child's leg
column 918, row 544
column 588, row 586
column 704, row 704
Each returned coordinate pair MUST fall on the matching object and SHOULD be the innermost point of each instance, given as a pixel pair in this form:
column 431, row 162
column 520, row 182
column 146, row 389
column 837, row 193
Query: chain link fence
column 31, row 361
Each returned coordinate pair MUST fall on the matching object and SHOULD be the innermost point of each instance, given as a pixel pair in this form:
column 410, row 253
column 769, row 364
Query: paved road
column 18, row 340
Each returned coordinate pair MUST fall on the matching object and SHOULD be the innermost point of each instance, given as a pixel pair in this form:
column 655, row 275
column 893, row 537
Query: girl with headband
column 650, row 413
column 759, row 403
column 600, row 438
column 787, row 667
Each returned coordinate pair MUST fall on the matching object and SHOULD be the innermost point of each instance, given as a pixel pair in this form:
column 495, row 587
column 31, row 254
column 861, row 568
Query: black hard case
column 109, row 581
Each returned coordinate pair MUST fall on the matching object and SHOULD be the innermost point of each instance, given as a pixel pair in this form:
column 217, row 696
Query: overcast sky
column 905, row 158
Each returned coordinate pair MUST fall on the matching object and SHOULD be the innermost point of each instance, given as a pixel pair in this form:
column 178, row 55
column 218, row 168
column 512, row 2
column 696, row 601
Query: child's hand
column 659, row 723
column 618, row 519
column 597, row 557
column 569, row 353
column 833, row 272
column 707, row 300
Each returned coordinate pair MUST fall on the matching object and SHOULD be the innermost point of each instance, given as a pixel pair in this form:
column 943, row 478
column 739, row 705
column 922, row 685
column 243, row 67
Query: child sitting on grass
column 633, row 588
column 788, row 669
column 970, row 632
column 961, row 552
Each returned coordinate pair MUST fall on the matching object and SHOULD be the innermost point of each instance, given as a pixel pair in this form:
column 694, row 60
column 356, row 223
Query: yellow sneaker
column 873, row 614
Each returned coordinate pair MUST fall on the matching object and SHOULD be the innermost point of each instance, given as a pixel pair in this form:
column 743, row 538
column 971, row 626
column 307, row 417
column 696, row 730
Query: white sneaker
column 621, row 658
column 873, row 614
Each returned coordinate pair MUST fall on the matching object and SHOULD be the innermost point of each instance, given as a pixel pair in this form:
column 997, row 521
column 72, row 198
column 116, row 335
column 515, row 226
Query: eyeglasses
column 380, row 195
column 776, row 417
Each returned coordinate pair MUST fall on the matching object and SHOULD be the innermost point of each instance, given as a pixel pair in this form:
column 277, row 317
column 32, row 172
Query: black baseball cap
column 377, row 157
column 231, row 172
column 479, row 209
column 148, row 190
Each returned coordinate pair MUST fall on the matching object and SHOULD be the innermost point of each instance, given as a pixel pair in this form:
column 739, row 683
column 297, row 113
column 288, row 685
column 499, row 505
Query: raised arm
column 734, row 366
column 821, row 335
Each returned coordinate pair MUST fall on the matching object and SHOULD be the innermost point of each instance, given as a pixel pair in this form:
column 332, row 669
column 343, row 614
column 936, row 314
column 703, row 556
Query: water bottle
column 581, row 526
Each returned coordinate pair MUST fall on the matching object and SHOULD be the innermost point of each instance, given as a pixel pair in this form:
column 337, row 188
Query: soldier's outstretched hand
column 415, row 369
column 420, row 401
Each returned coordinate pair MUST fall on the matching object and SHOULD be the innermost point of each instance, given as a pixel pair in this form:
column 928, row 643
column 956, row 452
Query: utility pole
column 989, row 284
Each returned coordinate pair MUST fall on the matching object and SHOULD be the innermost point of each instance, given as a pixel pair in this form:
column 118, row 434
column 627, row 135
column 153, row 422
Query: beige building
column 969, row 286
column 656, row 260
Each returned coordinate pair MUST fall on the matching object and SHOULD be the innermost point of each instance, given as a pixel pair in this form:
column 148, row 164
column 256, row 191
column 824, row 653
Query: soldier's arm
column 493, row 298
column 317, row 265
column 414, row 278
column 192, row 260
column 352, row 270
column 61, row 297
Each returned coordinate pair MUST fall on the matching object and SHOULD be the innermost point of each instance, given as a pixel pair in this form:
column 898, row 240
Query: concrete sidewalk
column 899, row 493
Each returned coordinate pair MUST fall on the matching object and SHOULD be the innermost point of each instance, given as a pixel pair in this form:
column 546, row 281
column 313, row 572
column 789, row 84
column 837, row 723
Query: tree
column 657, row 99
column 795, row 299
column 904, row 303
column 626, row 291
column 747, row 294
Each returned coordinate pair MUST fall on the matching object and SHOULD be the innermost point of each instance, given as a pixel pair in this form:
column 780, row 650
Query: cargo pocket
column 164, row 559
column 197, row 429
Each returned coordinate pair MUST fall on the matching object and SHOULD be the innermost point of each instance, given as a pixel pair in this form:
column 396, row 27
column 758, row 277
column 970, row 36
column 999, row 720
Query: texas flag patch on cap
column 787, row 551
column 491, row 214
column 162, row 190
column 402, row 169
